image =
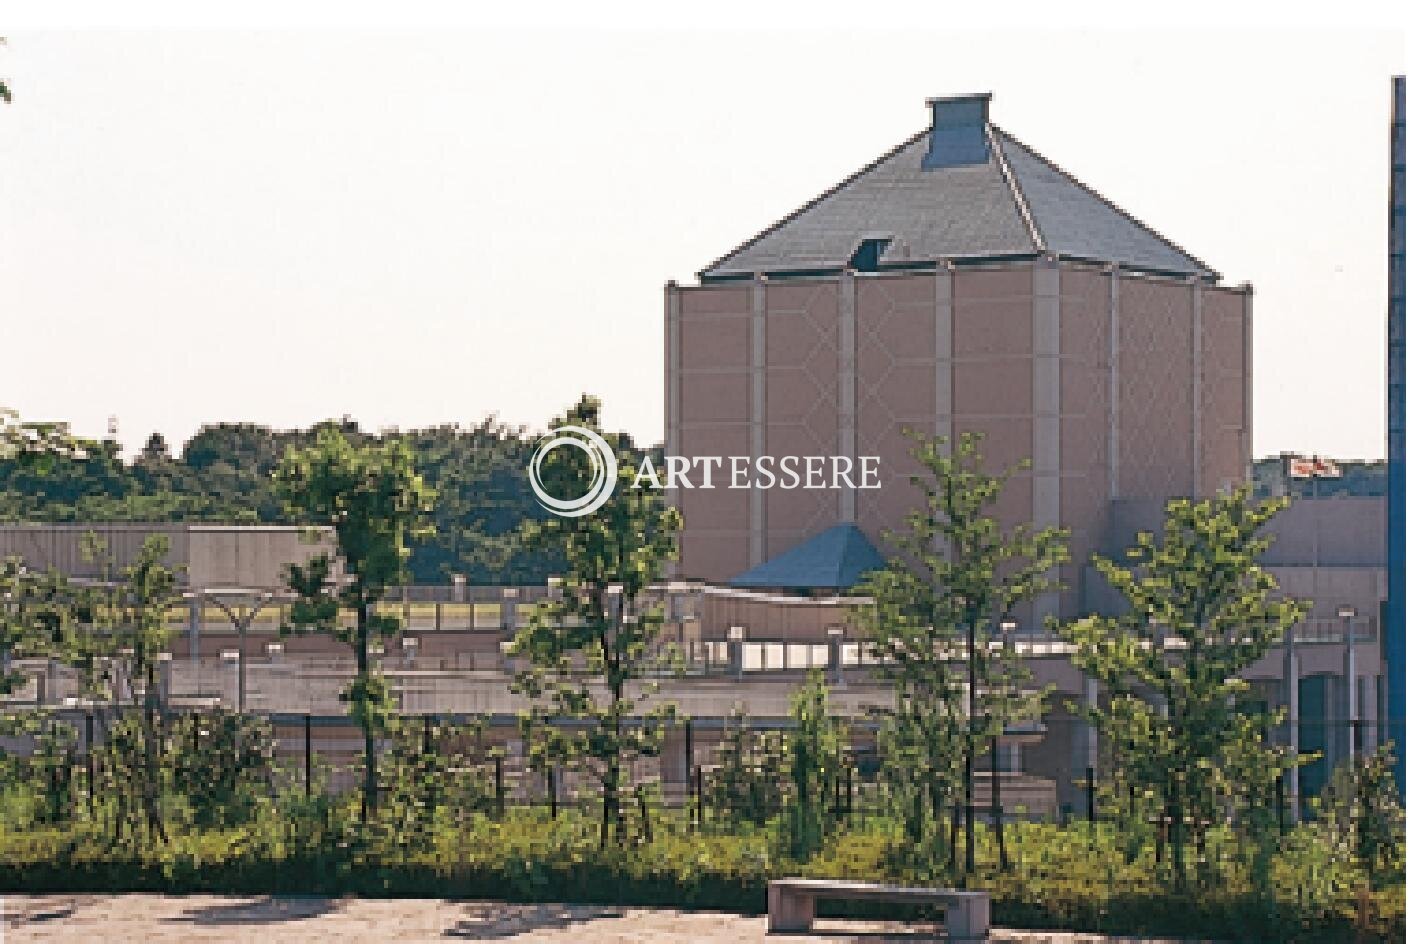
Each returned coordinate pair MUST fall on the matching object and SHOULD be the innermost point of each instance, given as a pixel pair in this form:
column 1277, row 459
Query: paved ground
column 152, row 919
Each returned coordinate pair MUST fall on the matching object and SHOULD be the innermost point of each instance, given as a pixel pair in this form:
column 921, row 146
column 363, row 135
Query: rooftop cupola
column 959, row 131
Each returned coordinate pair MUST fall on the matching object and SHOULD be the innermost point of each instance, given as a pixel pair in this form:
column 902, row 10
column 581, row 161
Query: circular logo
column 601, row 460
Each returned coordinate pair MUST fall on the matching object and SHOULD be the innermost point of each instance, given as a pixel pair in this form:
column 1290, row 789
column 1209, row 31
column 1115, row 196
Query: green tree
column 747, row 784
column 36, row 445
column 375, row 502
column 1363, row 809
column 1199, row 611
column 34, row 609
column 815, row 750
column 116, row 641
column 936, row 618
column 593, row 649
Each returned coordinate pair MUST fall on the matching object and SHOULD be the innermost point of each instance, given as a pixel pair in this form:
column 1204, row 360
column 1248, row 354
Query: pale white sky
column 426, row 227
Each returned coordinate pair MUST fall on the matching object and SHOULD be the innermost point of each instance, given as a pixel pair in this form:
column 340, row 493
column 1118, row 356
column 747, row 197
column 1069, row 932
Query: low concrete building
column 211, row 556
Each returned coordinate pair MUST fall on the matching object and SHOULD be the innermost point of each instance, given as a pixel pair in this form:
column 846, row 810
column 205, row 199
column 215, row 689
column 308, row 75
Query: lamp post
column 970, row 658
column 835, row 652
column 736, row 644
column 241, row 622
column 1006, row 627
column 1347, row 613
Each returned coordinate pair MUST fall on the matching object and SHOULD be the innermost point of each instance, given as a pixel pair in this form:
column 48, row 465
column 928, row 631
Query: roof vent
column 958, row 131
column 868, row 254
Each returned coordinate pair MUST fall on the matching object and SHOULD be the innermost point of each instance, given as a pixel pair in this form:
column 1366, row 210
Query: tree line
column 225, row 474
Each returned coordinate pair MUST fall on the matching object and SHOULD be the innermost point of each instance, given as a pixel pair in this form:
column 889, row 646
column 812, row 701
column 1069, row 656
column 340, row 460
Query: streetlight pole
column 970, row 747
column 1006, row 627
column 242, row 622
column 1349, row 670
column 835, row 653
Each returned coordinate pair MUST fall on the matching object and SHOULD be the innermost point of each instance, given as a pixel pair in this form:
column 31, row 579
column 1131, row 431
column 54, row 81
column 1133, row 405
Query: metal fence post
column 308, row 756
column 690, row 755
column 500, row 785
column 88, row 741
column 997, row 803
column 553, row 794
column 1092, row 796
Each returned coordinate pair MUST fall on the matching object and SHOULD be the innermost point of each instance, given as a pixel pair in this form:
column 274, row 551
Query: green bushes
column 1075, row 878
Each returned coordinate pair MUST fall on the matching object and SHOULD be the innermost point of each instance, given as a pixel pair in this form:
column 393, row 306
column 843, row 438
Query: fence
column 1050, row 771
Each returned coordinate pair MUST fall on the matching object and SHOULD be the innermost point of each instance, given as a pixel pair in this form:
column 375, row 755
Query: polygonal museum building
column 962, row 282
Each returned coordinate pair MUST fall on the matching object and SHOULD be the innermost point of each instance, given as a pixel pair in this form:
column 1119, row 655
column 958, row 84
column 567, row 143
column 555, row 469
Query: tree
column 746, row 785
column 33, row 609
column 375, row 502
column 116, row 639
column 814, row 750
column 592, row 649
column 1199, row 611
column 155, row 449
column 936, row 616
column 1363, row 809
column 36, row 444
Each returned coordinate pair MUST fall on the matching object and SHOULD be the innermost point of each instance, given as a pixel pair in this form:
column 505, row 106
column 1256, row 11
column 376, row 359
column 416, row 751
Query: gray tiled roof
column 966, row 212
column 834, row 560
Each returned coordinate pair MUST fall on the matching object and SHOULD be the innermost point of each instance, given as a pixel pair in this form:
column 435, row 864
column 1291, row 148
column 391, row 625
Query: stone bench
column 791, row 904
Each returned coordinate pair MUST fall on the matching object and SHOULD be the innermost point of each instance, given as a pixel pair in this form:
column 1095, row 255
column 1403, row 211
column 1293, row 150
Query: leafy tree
column 1199, row 612
column 593, row 649
column 814, row 749
column 374, row 500
column 1364, row 809
column 155, row 449
column 34, row 607
column 936, row 615
column 747, row 784
column 223, row 764
column 116, row 643
column 36, row 445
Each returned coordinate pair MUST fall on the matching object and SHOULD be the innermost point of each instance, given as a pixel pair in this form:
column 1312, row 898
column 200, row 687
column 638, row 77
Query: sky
column 422, row 227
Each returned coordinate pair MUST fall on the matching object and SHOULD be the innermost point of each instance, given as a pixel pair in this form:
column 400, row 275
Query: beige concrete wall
column 714, row 411
column 1085, row 422
column 211, row 555
column 1113, row 385
column 896, row 390
column 801, row 403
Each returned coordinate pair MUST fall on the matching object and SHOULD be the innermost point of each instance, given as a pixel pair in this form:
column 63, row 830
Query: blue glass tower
column 1394, row 630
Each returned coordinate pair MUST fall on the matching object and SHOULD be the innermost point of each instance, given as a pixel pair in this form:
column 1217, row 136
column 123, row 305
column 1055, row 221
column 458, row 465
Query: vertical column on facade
column 1114, row 382
column 193, row 637
column 673, row 380
column 758, row 335
column 1046, row 409
column 1291, row 670
column 945, row 352
column 847, row 386
column 1247, row 416
column 1349, row 675
column 1196, row 381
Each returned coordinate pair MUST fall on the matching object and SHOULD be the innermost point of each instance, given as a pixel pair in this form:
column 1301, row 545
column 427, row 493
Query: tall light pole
column 970, row 658
column 1006, row 628
column 1346, row 613
column 241, row 622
